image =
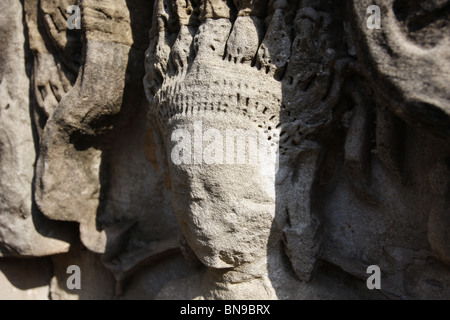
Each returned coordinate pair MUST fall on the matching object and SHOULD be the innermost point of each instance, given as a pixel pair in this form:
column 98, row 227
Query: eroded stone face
column 24, row 231
column 301, row 76
column 205, row 73
column 226, row 210
column 94, row 141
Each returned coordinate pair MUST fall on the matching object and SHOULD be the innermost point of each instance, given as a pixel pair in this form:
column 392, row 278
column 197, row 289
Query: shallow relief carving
column 96, row 163
column 282, row 146
column 349, row 189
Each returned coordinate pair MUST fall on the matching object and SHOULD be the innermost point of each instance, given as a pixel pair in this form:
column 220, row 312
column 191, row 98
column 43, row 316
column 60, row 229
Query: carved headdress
column 253, row 59
column 274, row 63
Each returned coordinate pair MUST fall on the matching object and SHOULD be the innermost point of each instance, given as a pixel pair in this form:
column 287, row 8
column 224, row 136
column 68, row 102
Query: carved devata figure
column 287, row 68
column 295, row 145
column 228, row 69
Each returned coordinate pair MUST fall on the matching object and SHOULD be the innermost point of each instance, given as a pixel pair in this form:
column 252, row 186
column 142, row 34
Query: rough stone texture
column 114, row 155
column 147, row 282
column 98, row 130
column 25, row 279
column 92, row 271
column 97, row 162
column 23, row 229
column 413, row 37
column 360, row 118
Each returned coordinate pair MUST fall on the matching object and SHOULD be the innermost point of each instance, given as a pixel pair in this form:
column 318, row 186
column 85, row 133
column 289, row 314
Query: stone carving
column 89, row 131
column 210, row 75
column 297, row 76
column 24, row 231
column 280, row 145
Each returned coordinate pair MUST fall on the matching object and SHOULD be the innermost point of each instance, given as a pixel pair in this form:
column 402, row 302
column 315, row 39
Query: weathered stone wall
column 114, row 155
